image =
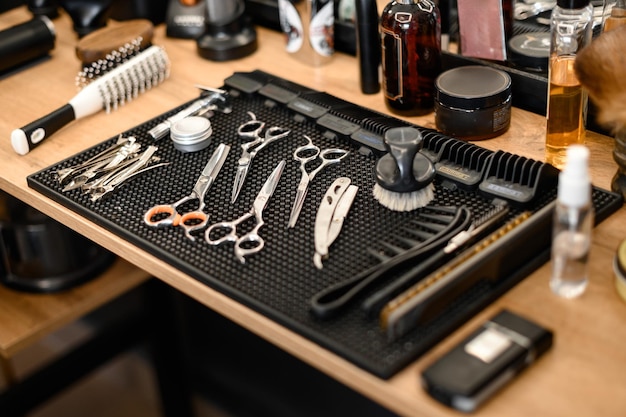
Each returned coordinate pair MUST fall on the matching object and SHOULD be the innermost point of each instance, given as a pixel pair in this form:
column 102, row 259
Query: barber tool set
column 371, row 236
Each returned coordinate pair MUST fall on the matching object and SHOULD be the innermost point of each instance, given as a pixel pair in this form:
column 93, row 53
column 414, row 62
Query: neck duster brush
column 121, row 82
column 404, row 177
column 600, row 67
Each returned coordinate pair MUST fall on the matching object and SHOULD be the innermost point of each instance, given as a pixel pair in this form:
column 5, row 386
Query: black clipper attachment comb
column 517, row 179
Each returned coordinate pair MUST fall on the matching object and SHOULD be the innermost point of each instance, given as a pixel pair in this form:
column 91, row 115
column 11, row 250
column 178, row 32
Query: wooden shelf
column 26, row 317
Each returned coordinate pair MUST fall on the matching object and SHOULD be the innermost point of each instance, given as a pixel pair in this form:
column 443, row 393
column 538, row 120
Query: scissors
column 250, row 242
column 252, row 129
column 193, row 220
column 305, row 154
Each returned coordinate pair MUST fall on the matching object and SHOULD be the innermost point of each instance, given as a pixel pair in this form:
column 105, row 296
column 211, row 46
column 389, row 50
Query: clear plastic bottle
column 573, row 223
column 571, row 30
column 411, row 55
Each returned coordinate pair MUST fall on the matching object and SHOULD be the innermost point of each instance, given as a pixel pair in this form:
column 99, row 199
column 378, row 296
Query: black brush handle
column 31, row 135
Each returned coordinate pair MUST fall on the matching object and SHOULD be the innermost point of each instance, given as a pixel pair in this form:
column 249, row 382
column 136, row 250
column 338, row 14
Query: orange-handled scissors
column 163, row 215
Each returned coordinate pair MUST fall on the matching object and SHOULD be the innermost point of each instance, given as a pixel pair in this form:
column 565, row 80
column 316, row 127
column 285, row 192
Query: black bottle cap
column 572, row 4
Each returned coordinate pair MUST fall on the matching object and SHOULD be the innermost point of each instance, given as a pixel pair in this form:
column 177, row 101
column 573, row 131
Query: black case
column 473, row 370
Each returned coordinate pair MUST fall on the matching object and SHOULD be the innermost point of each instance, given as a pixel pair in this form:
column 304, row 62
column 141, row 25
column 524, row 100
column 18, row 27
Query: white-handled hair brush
column 404, row 177
column 131, row 78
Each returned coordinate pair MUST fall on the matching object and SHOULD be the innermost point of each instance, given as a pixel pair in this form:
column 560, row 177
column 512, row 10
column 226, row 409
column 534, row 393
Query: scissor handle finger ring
column 304, row 152
column 228, row 228
column 251, row 128
column 172, row 218
column 192, row 221
column 333, row 154
column 242, row 251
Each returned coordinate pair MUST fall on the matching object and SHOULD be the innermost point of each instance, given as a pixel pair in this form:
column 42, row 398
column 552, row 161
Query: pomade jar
column 473, row 102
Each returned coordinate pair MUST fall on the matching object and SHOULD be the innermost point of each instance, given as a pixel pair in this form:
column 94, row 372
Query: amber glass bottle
column 411, row 55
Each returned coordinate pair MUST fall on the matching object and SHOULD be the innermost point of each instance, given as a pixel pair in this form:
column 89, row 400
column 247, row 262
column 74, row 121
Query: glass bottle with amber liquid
column 411, row 55
column 571, row 30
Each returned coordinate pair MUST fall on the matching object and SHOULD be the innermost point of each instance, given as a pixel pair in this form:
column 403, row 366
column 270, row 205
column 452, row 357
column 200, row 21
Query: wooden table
column 585, row 372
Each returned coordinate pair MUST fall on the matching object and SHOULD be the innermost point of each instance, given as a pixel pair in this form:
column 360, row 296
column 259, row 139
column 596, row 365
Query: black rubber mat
column 280, row 280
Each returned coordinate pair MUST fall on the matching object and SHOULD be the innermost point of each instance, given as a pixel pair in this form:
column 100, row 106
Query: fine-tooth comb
column 113, row 89
column 406, row 311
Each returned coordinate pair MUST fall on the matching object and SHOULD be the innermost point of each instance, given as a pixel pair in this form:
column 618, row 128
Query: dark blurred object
column 48, row 8
column 152, row 10
column 38, row 254
column 185, row 19
column 368, row 45
column 6, row 5
column 87, row 15
column 229, row 33
column 25, row 43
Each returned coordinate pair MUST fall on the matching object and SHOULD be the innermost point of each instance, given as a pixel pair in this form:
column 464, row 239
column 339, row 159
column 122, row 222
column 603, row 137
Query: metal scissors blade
column 250, row 242
column 330, row 216
column 196, row 219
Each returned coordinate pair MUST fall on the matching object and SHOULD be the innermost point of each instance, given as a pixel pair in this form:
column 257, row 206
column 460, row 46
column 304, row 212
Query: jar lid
column 619, row 267
column 530, row 50
column 472, row 87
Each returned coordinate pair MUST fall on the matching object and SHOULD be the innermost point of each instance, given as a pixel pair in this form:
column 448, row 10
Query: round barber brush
column 404, row 177
column 107, row 48
column 118, row 86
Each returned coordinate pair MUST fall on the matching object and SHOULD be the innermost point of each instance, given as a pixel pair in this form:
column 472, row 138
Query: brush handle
column 400, row 170
column 31, row 135
column 86, row 102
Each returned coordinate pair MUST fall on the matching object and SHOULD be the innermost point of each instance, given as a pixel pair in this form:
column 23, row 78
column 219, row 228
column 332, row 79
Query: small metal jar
column 191, row 134
column 473, row 102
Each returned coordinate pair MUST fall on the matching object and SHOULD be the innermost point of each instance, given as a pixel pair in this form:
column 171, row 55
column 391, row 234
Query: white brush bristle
column 133, row 77
column 404, row 201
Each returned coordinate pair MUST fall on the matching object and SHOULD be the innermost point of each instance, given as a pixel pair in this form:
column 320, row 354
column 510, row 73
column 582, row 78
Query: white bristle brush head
column 406, row 201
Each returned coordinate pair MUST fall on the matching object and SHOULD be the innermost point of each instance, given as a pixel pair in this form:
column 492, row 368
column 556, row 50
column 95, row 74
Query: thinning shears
column 305, row 154
column 163, row 215
column 250, row 242
column 252, row 129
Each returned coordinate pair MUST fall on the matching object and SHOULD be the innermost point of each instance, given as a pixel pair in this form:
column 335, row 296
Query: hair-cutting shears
column 250, row 242
column 305, row 154
column 252, row 129
column 163, row 215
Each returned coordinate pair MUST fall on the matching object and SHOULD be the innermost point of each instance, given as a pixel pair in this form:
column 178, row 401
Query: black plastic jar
column 473, row 102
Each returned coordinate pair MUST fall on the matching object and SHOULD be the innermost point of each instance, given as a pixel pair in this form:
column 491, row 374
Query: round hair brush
column 131, row 78
column 106, row 48
column 404, row 177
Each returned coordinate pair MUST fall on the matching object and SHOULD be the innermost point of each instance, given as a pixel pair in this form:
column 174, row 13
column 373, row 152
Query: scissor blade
column 270, row 185
column 213, row 167
column 240, row 177
column 210, row 172
column 297, row 205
